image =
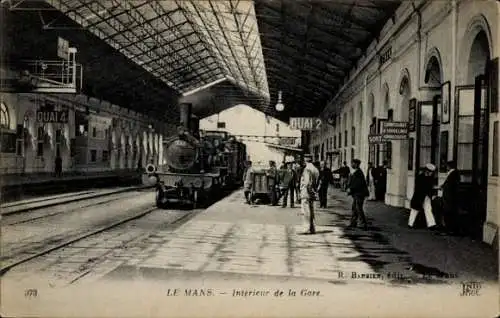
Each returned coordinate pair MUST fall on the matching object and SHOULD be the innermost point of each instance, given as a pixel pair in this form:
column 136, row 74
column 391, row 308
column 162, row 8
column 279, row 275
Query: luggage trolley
column 260, row 186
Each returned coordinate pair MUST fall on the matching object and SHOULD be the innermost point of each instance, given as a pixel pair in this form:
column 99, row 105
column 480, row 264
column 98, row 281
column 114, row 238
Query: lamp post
column 279, row 105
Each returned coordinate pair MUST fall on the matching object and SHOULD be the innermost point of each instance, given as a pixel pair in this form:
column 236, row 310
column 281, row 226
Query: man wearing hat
column 421, row 200
column 358, row 189
column 308, row 184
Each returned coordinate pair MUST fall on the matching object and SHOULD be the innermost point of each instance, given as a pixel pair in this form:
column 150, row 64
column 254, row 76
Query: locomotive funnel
column 195, row 126
column 185, row 115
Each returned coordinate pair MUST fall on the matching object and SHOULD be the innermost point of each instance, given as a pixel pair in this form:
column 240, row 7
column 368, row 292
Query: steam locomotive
column 200, row 165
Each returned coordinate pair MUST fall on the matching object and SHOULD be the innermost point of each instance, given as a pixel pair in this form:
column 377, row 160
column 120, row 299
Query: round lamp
column 280, row 106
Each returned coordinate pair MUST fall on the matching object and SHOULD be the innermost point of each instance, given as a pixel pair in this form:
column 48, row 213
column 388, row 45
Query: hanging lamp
column 280, row 106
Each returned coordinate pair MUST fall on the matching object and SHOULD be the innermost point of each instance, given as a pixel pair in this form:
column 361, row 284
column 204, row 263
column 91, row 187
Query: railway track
column 25, row 255
column 37, row 204
column 63, row 207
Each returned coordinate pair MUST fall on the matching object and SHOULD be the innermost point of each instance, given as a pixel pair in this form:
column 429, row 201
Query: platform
column 33, row 178
column 23, row 186
column 231, row 237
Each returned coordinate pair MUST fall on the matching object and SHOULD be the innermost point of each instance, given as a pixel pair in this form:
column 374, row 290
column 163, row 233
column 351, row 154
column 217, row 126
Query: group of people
column 444, row 208
column 309, row 182
column 376, row 180
column 306, row 181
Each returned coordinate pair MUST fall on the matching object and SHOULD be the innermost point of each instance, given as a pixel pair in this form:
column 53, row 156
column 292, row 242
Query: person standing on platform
column 381, row 181
column 248, row 181
column 421, row 200
column 358, row 189
column 308, row 184
column 287, row 184
column 325, row 179
column 344, row 172
column 298, row 174
column 449, row 198
column 273, row 181
column 370, row 182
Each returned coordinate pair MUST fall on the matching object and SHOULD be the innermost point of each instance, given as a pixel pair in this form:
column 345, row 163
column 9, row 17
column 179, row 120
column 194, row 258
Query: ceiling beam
column 331, row 48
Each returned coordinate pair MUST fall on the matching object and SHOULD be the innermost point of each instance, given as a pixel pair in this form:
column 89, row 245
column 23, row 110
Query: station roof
column 241, row 51
column 311, row 46
column 186, row 44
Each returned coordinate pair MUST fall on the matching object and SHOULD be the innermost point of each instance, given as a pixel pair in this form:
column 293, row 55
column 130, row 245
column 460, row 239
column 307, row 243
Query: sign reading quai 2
column 305, row 123
column 52, row 116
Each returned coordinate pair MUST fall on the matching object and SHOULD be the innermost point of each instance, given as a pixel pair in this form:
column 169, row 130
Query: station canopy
column 219, row 53
column 311, row 46
column 186, row 44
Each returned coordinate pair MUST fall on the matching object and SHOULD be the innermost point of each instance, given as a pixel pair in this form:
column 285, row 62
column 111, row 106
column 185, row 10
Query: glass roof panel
column 155, row 32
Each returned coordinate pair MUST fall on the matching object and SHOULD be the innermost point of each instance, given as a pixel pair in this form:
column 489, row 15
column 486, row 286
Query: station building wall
column 427, row 44
column 99, row 136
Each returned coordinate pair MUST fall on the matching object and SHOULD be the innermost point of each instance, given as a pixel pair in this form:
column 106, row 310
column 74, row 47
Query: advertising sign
column 62, row 48
column 305, row 123
column 288, row 141
column 395, row 130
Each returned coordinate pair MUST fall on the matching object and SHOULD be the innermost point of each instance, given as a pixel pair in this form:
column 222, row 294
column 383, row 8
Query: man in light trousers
column 308, row 183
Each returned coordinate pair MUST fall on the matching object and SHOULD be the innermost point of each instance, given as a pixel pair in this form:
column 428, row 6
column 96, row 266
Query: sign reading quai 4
column 52, row 116
column 305, row 123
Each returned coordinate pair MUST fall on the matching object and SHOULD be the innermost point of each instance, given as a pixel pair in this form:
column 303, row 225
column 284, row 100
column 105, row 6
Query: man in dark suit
column 449, row 198
column 325, row 179
column 358, row 189
column 287, row 184
column 273, row 181
column 344, row 172
column 380, row 180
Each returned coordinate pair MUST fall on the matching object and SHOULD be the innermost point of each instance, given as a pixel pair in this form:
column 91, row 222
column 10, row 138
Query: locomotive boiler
column 200, row 165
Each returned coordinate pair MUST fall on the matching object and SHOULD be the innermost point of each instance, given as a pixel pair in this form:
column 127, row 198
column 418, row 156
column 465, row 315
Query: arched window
column 4, row 116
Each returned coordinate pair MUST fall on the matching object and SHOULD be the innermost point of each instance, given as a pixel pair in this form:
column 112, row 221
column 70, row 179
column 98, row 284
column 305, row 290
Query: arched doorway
column 473, row 131
column 478, row 56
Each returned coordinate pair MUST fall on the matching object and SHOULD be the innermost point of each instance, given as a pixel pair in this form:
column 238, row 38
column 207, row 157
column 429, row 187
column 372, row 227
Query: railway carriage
column 200, row 165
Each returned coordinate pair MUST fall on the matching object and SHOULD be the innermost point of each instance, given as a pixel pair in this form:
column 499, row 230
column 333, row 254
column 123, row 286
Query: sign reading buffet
column 305, row 123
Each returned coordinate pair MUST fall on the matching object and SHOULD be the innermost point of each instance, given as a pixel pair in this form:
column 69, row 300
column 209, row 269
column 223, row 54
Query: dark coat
column 287, row 178
column 298, row 174
column 357, row 184
column 423, row 187
column 344, row 171
column 450, row 189
column 273, row 176
column 380, row 176
column 325, row 177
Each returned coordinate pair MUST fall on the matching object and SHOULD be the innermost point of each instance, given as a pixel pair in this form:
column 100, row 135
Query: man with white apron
column 308, row 184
